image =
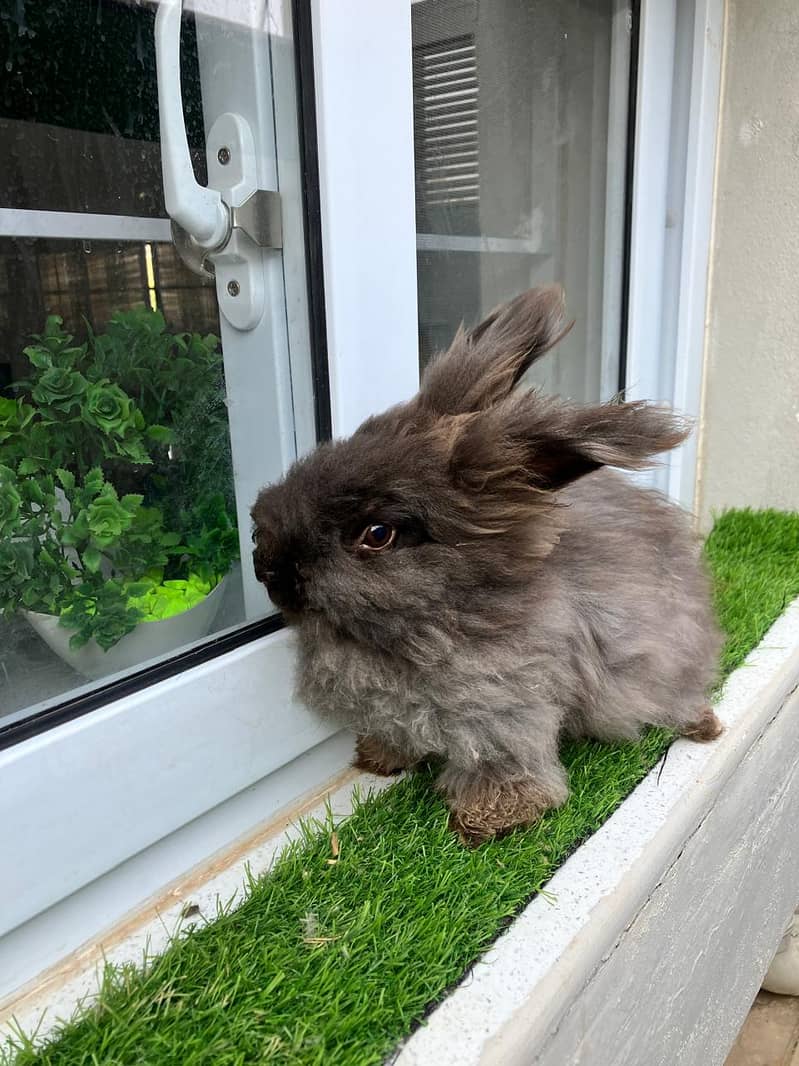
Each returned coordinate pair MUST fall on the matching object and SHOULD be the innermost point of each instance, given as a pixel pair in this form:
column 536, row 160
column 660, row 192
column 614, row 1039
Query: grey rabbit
column 468, row 580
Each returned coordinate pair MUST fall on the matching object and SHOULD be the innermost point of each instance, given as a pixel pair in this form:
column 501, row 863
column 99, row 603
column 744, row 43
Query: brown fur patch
column 373, row 757
column 706, row 727
column 491, row 809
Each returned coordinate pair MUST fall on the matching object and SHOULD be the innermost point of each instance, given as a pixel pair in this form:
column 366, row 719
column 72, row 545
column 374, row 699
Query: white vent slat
column 446, row 115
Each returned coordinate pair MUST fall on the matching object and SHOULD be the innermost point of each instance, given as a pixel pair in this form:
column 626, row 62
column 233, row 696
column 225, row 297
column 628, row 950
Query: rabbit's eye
column 377, row 537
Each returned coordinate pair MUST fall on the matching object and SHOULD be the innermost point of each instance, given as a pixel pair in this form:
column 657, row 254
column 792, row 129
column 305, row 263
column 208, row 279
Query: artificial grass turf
column 335, row 962
column 754, row 559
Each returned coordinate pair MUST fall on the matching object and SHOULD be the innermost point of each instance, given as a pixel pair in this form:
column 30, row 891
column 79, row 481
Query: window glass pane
column 126, row 398
column 79, row 107
column 520, row 115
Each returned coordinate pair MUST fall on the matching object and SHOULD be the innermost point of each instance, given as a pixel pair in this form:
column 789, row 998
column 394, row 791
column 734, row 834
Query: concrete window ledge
column 647, row 947
column 652, row 939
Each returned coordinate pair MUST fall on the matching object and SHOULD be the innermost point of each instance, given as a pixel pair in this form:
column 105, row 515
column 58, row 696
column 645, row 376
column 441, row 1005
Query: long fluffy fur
column 531, row 593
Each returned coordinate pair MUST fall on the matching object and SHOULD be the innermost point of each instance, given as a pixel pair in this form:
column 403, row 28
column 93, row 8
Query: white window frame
column 102, row 811
column 680, row 45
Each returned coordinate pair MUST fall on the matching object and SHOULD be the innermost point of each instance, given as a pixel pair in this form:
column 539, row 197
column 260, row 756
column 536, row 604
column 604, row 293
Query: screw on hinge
column 223, row 155
column 233, row 288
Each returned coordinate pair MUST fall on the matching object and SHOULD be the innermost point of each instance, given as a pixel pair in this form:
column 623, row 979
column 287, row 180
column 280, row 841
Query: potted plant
column 115, row 507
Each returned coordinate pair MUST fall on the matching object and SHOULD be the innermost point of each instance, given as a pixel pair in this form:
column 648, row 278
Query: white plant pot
column 149, row 640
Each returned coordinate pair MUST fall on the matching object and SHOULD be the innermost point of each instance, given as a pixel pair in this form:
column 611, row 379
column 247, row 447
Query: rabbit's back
column 617, row 633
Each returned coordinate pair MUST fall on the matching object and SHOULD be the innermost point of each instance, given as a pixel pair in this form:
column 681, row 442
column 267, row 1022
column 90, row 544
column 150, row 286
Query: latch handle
column 197, row 209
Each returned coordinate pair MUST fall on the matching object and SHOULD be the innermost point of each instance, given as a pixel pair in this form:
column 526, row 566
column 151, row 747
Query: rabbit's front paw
column 704, row 728
column 486, row 808
column 374, row 757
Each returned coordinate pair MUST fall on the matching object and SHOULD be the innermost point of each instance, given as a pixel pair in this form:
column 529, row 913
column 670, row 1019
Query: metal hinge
column 259, row 217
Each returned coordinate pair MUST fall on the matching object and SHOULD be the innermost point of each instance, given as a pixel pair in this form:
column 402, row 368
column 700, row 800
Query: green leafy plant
column 102, row 523
column 177, row 382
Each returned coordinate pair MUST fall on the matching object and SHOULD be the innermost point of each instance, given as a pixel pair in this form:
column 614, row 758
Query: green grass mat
column 335, row 963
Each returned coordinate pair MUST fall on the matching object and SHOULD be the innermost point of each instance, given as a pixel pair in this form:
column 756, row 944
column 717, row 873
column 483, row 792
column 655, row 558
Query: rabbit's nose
column 285, row 586
column 262, row 567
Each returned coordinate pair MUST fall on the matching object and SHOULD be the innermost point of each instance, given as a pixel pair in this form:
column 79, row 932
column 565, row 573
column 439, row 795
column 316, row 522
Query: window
column 520, row 118
column 126, row 781
column 520, row 154
column 126, row 405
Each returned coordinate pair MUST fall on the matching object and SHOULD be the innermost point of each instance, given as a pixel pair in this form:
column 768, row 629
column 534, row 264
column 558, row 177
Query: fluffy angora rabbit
column 468, row 582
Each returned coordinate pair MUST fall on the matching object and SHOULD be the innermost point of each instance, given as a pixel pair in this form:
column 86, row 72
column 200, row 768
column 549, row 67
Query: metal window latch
column 259, row 218
column 219, row 230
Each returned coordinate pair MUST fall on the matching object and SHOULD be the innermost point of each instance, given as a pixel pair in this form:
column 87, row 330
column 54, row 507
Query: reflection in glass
column 79, row 107
column 118, row 542
column 520, row 118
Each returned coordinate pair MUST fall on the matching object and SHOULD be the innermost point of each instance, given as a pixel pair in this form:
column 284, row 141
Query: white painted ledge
column 653, row 937
column 192, row 899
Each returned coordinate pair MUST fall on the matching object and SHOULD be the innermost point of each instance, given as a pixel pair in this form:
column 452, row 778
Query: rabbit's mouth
column 289, row 597
column 285, row 587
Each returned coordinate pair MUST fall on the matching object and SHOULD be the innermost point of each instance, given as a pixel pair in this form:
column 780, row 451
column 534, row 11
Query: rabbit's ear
column 547, row 444
column 483, row 364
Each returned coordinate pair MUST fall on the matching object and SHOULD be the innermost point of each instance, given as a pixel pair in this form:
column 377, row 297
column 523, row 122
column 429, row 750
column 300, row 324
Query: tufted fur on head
column 484, row 487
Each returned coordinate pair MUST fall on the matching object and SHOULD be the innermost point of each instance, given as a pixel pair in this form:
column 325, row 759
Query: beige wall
column 749, row 447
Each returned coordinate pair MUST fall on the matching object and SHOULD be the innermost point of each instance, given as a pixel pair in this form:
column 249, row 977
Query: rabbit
column 469, row 581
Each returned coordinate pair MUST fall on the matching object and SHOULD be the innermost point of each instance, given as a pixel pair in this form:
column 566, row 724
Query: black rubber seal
column 632, row 107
